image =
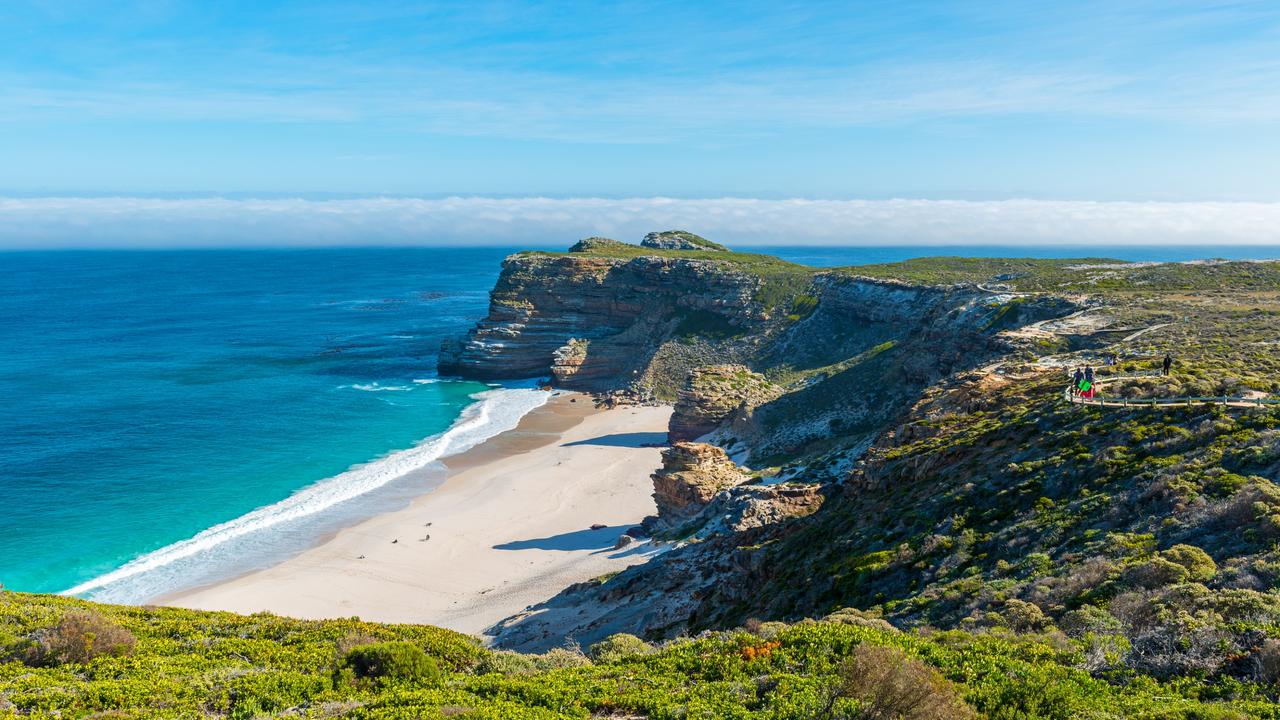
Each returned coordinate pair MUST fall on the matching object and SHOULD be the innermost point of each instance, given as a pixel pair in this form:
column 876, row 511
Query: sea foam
column 263, row 534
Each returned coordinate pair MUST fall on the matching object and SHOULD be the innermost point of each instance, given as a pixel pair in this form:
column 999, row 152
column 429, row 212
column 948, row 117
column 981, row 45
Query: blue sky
column 168, row 122
column 1167, row 101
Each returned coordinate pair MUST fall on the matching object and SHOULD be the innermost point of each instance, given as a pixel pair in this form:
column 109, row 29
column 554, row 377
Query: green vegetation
column 388, row 662
column 218, row 665
column 1084, row 275
column 782, row 282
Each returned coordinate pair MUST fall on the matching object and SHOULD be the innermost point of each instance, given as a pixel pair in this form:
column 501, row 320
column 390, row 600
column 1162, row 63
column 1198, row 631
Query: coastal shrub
column 560, row 658
column 765, row 630
column 1266, row 662
column 390, row 661
column 351, row 641
column 79, row 637
column 1156, row 572
column 1200, row 567
column 861, row 618
column 890, row 685
column 506, row 662
column 1022, row 616
column 617, row 647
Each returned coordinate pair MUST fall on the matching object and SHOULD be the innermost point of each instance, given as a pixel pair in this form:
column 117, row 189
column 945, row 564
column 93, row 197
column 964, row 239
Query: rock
column 747, row 507
column 712, row 394
column 679, row 240
column 597, row 243
column 598, row 526
column 568, row 358
column 623, row 541
column 691, row 475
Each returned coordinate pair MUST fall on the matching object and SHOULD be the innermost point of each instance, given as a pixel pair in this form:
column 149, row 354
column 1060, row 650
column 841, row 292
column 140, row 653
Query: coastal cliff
column 595, row 322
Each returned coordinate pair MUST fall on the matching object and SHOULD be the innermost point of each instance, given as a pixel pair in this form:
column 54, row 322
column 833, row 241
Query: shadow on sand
column 631, row 440
column 602, row 539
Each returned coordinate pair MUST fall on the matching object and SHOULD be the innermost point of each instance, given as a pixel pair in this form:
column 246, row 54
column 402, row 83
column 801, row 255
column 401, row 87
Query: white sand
column 509, row 528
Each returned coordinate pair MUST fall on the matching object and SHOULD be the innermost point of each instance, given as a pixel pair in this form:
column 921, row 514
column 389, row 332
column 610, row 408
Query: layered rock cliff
column 595, row 322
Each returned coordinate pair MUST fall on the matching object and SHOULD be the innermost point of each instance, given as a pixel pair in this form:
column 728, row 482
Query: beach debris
column 425, row 538
column 623, row 541
column 393, row 542
column 360, row 558
column 598, row 526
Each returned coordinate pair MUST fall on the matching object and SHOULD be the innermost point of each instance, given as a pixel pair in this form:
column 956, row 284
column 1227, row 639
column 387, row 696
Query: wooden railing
column 1224, row 401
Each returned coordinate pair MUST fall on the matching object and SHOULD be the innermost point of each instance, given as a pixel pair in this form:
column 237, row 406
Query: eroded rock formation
column 691, row 475
column 713, row 394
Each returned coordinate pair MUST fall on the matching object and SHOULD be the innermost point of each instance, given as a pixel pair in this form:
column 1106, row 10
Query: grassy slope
column 199, row 664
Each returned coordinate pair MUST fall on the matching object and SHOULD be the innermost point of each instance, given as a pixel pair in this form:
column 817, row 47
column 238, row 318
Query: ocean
column 171, row 418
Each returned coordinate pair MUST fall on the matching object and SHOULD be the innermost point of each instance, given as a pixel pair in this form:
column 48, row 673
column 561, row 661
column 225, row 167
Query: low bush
column 890, row 685
column 1200, row 567
column 617, row 647
column 390, row 661
column 79, row 637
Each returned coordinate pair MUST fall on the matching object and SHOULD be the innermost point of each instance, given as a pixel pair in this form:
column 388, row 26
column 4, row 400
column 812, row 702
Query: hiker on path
column 1168, row 363
column 1088, row 374
column 1077, row 379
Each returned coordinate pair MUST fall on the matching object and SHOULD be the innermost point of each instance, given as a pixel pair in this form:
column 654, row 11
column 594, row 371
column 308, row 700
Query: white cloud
column 151, row 222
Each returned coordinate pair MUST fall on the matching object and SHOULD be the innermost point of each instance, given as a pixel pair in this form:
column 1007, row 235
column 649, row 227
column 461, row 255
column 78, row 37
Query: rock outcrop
column 691, row 475
column 679, row 240
column 597, row 243
column 712, row 395
column 595, row 322
column 747, row 507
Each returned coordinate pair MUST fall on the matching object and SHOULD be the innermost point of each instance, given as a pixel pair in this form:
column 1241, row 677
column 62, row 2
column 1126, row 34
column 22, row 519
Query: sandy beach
column 509, row 527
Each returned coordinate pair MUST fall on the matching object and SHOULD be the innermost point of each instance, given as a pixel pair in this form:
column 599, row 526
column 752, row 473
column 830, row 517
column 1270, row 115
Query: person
column 1088, row 374
column 1076, row 380
column 1168, row 363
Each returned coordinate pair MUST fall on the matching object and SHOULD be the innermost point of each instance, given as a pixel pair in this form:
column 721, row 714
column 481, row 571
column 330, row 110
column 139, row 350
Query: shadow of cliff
column 631, row 440
column 602, row 539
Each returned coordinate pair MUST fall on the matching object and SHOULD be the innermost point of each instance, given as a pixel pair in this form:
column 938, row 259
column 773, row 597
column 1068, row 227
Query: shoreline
column 510, row 526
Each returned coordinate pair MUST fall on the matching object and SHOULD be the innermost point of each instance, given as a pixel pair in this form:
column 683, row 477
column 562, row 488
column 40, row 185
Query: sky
column 896, row 117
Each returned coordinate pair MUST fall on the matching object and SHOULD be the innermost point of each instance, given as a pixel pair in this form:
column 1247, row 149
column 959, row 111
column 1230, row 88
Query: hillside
column 919, row 406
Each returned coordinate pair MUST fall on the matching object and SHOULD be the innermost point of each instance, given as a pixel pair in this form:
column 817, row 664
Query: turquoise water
column 170, row 418
column 149, row 396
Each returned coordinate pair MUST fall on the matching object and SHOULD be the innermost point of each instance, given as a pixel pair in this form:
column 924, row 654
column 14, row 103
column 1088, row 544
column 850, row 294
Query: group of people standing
column 1083, row 385
column 1082, row 380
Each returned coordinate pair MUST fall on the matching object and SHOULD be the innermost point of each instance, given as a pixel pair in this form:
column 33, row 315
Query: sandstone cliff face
column 592, row 322
column 712, row 395
column 691, row 475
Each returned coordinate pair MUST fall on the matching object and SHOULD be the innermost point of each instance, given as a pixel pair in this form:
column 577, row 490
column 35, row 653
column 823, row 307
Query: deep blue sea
column 171, row 418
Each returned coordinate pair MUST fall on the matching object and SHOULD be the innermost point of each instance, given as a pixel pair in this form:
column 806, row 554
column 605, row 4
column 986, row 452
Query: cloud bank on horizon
column 56, row 223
